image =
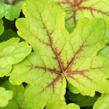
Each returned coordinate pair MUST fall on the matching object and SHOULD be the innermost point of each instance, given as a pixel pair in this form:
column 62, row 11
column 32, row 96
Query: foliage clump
column 54, row 54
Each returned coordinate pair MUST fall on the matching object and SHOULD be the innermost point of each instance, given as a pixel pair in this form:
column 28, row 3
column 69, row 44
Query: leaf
column 17, row 102
column 102, row 102
column 88, row 68
column 12, row 52
column 55, row 100
column 79, row 9
column 58, row 55
column 1, row 27
column 104, row 51
column 9, row 11
column 5, row 96
column 39, row 96
column 72, row 89
column 72, row 106
column 69, row 23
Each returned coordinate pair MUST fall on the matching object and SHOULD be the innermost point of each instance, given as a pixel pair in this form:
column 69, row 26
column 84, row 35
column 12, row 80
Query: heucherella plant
column 59, row 57
column 55, row 55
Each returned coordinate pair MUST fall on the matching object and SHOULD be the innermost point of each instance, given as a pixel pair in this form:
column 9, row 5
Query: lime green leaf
column 38, row 96
column 17, row 102
column 87, row 65
column 5, row 96
column 104, row 51
column 49, row 98
column 102, row 102
column 1, row 27
column 70, row 25
column 107, row 29
column 78, row 9
column 9, row 11
column 12, row 52
column 2, row 9
column 72, row 89
column 58, row 55
column 72, row 106
column 87, row 8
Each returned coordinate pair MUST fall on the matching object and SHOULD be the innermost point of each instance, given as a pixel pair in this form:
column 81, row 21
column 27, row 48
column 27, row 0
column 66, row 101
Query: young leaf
column 72, row 89
column 59, row 55
column 102, row 102
column 1, row 27
column 12, row 52
column 104, row 51
column 17, row 102
column 5, row 96
column 9, row 11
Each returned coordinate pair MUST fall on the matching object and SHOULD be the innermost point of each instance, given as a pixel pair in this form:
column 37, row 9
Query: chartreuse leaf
column 12, row 52
column 5, row 96
column 87, row 68
column 107, row 28
column 9, row 11
column 58, row 55
column 72, row 89
column 72, row 106
column 102, row 102
column 17, row 102
column 78, row 9
column 87, row 8
column 104, row 51
column 1, row 27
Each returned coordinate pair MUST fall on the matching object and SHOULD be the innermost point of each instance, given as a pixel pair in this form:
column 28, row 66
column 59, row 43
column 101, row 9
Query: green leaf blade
column 1, row 27
column 79, row 9
column 85, row 52
column 5, row 96
column 17, row 101
column 102, row 102
column 58, row 55
column 12, row 53
column 9, row 11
